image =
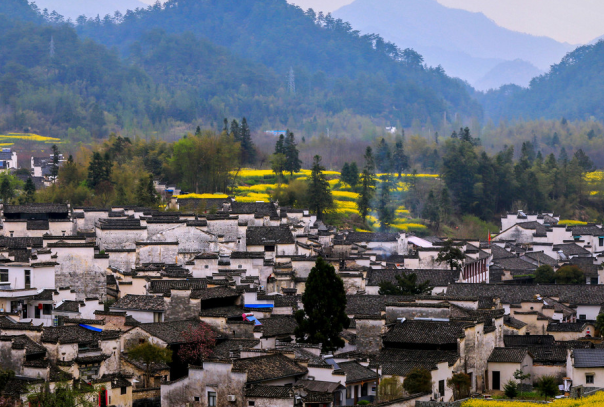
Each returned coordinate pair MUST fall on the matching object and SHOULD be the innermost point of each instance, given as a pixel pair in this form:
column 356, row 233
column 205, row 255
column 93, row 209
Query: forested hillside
column 335, row 68
column 573, row 89
column 179, row 66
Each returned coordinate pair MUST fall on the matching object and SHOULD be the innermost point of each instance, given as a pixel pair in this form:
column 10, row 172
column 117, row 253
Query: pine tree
column 280, row 145
column 385, row 208
column 54, row 169
column 400, row 160
column 444, row 204
column 384, row 157
column 345, row 172
column 350, row 174
column 99, row 170
column 431, row 210
column 236, row 131
column 367, row 185
column 7, row 190
column 29, row 191
column 292, row 160
column 248, row 150
column 323, row 317
column 198, row 132
column 319, row 192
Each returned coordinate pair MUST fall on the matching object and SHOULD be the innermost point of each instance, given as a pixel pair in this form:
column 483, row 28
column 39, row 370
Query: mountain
column 572, row 89
column 335, row 69
column 165, row 69
column 75, row 8
column 516, row 72
column 459, row 40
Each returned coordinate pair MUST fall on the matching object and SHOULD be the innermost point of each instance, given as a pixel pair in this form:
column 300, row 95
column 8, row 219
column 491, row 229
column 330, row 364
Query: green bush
column 511, row 389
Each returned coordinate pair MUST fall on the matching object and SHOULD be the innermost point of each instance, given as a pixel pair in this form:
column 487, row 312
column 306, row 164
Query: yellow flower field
column 27, row 136
column 597, row 400
column 202, row 196
column 571, row 223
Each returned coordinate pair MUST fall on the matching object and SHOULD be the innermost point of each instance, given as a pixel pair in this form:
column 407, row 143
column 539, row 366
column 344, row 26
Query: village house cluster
column 80, row 286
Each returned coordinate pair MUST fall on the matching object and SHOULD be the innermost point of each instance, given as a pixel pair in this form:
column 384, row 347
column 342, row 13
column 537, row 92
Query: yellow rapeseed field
column 27, row 136
column 572, row 223
column 202, row 196
column 597, row 400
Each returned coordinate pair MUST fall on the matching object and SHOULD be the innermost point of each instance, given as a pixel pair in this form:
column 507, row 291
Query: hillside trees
column 319, row 191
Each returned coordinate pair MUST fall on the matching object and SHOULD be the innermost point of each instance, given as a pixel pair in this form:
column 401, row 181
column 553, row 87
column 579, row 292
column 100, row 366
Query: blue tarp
column 258, row 306
column 91, row 328
column 253, row 319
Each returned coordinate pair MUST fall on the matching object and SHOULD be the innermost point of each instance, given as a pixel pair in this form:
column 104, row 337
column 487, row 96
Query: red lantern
column 40, row 306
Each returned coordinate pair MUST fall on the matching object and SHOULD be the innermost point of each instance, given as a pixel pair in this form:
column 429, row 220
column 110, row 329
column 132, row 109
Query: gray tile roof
column 567, row 327
column 591, row 294
column 436, row 277
column 140, row 303
column 37, row 208
column 355, row 372
column 426, row 332
column 75, row 334
column 528, row 340
column 362, row 237
column 508, row 355
column 266, row 368
column 269, row 235
column 171, row 332
column 588, row 358
column 277, row 325
column 270, row 392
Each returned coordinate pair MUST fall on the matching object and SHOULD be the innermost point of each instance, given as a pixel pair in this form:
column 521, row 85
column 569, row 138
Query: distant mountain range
column 91, row 8
column 467, row 45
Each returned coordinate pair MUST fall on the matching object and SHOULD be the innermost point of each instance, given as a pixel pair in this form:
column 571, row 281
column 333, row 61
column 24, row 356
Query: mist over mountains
column 467, row 45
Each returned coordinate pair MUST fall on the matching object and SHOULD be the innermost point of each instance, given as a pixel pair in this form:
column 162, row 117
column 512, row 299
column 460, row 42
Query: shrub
column 419, row 380
column 511, row 389
column 547, row 386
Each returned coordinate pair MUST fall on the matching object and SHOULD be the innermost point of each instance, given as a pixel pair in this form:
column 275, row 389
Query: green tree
column 7, row 189
column 390, row 388
column 151, row 355
column 99, row 170
column 521, row 376
column 432, row 211
column 510, row 389
column 350, row 174
column 545, row 274
column 450, row 254
column 29, row 191
column 54, row 168
column 600, row 323
column 324, row 314
column 248, row 149
column 570, row 274
column 292, row 159
column 385, row 206
column 460, row 383
column 384, row 157
column 146, row 195
column 65, row 395
column 547, row 386
column 400, row 160
column 419, row 380
column 278, row 163
column 319, row 192
column 406, row 284
column 280, row 145
column 367, row 190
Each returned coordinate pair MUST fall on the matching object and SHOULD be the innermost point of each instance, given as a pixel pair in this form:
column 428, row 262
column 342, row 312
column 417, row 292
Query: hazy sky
column 572, row 21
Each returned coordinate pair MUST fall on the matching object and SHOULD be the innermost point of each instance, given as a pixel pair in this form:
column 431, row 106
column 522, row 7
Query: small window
column 12, row 234
column 157, row 317
column 582, row 316
column 206, row 266
column 240, row 266
column 123, row 390
column 27, row 279
column 269, row 248
column 195, row 398
column 441, row 387
column 47, row 309
column 211, row 399
column 589, row 379
column 251, row 403
column 594, row 281
column 601, row 241
column 3, row 276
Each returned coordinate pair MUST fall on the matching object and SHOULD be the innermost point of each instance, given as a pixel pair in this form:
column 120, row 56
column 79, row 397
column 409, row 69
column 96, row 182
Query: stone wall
column 82, row 275
column 369, row 335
